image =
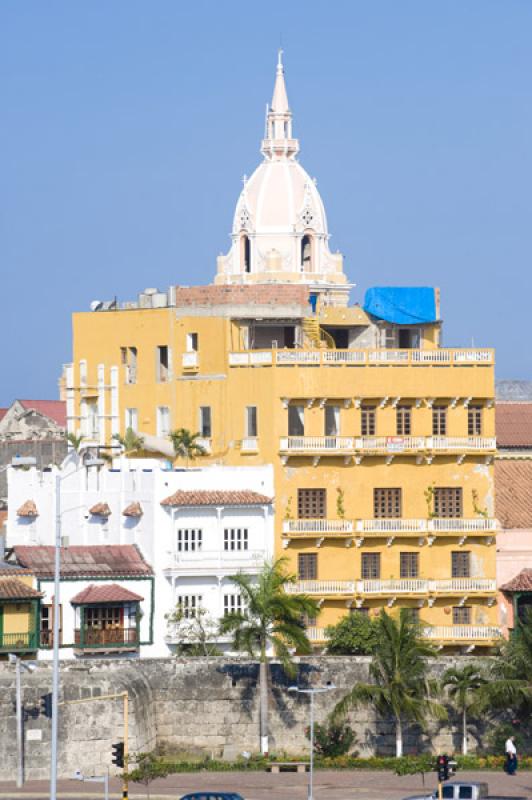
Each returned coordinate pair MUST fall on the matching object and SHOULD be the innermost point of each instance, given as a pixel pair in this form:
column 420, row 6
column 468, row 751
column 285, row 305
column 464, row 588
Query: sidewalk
column 328, row 784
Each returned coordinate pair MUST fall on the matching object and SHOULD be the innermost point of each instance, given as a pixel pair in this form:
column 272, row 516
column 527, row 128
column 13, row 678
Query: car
column 212, row 796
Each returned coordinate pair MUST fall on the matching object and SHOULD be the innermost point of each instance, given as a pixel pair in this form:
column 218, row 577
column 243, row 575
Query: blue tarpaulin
column 402, row 305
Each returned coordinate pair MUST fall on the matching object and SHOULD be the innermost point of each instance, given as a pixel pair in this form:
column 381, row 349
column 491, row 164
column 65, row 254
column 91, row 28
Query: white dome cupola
column 279, row 229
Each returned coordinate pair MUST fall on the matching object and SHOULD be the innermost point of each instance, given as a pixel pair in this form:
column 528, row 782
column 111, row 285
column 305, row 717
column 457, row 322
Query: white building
column 194, row 527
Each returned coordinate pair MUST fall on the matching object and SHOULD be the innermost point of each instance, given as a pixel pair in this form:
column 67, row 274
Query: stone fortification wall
column 188, row 705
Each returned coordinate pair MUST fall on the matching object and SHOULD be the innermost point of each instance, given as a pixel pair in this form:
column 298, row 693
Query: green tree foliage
column 75, row 440
column 197, row 632
column 509, row 686
column 464, row 685
column 271, row 619
column 355, row 635
column 131, row 442
column 149, row 767
column 186, row 444
column 401, row 687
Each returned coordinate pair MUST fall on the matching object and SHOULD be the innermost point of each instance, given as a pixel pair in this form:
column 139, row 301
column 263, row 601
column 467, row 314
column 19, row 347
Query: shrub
column 332, row 740
column 355, row 634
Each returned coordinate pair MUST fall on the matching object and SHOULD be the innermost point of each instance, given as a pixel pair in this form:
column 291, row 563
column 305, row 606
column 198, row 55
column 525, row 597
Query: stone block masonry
column 196, row 705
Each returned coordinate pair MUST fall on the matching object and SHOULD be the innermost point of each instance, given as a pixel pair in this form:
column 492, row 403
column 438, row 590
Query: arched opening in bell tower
column 245, row 253
column 306, row 253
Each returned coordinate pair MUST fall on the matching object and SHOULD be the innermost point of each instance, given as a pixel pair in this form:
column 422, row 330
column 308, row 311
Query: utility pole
column 19, row 666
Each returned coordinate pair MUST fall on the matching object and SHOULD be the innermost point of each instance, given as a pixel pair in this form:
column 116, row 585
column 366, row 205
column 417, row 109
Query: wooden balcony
column 18, row 642
column 106, row 638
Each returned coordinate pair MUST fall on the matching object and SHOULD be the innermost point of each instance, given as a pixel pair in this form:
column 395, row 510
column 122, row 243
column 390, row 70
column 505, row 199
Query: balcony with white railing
column 462, row 633
column 321, row 588
column 249, row 445
column 373, row 357
column 389, row 444
column 318, row 527
column 458, row 586
column 391, row 525
column 317, row 445
column 316, row 634
column 206, row 443
column 392, row 586
column 190, row 360
column 476, row 525
column 461, row 444
column 204, row 562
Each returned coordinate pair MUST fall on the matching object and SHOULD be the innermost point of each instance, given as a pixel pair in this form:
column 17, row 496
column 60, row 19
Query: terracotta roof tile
column 100, row 510
column 13, row 589
column 3, row 412
column 7, row 568
column 84, row 561
column 28, row 509
column 521, row 582
column 513, row 424
column 133, row 510
column 513, row 492
column 106, row 593
column 221, row 498
column 54, row 409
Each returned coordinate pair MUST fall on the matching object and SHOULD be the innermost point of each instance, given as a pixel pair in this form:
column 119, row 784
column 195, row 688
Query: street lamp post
column 312, row 691
column 19, row 665
column 90, row 462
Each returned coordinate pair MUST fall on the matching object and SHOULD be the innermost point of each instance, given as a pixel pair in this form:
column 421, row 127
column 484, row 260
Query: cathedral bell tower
column 280, row 230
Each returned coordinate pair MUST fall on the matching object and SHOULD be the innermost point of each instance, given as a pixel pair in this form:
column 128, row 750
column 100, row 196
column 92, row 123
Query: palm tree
column 130, row 441
column 464, row 685
column 75, row 440
column 509, row 685
column 271, row 618
column 400, row 685
column 186, row 444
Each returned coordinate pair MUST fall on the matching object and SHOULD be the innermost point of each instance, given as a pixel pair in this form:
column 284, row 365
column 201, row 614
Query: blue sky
column 126, row 128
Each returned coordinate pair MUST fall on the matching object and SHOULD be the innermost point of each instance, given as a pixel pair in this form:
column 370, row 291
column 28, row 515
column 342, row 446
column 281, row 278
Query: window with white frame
column 236, row 539
column 332, row 420
column 232, row 604
column 162, row 364
column 192, row 342
column 189, row 540
column 163, row 420
column 132, row 419
column 189, row 604
column 92, row 418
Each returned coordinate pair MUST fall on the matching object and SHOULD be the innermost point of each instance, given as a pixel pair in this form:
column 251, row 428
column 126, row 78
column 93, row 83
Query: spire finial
column 280, row 59
column 278, row 138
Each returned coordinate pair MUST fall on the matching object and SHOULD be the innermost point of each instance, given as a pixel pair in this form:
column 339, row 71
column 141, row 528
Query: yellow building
column 19, row 611
column 381, row 440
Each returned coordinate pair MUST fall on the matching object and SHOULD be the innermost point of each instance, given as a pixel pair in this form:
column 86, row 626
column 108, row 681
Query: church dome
column 280, row 197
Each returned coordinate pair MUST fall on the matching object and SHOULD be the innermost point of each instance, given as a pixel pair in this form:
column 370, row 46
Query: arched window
column 246, row 253
column 306, row 253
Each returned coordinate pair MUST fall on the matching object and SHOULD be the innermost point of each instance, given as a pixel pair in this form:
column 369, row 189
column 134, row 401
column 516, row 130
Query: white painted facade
column 203, row 572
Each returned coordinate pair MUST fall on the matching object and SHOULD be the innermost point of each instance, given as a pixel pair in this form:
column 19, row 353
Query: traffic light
column 442, row 768
column 46, row 705
column 118, row 754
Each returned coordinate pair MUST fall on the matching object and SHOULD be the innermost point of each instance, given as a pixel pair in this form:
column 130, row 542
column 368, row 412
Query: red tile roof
column 55, row 409
column 28, row 509
column 7, row 568
column 13, row 589
column 221, row 498
column 513, row 424
column 521, row 582
column 106, row 593
column 3, row 412
column 100, row 510
column 513, row 492
column 133, row 510
column 84, row 561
